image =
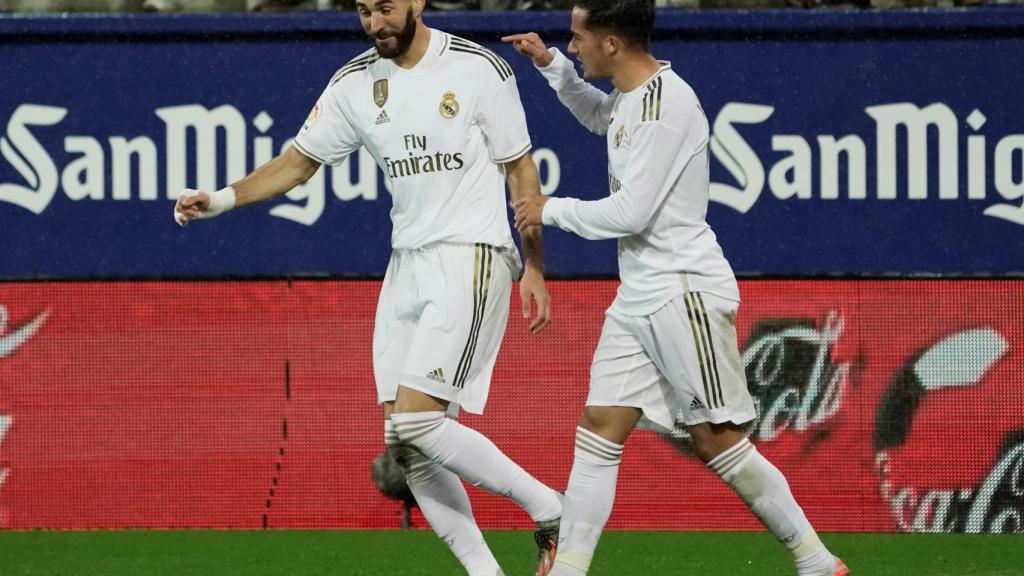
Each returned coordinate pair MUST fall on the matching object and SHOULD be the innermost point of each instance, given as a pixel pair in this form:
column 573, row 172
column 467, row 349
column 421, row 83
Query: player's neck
column 633, row 69
column 418, row 48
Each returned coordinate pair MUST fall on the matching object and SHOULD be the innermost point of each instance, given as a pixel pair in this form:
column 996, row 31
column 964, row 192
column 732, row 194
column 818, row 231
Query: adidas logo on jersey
column 382, row 118
column 437, row 375
column 696, row 405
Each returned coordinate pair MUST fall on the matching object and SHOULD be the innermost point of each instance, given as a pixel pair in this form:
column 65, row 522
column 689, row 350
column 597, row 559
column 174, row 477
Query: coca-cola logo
column 794, row 380
column 5, row 469
column 10, row 341
column 995, row 503
column 791, row 374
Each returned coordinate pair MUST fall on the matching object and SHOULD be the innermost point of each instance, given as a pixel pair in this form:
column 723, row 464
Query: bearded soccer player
column 668, row 345
column 443, row 118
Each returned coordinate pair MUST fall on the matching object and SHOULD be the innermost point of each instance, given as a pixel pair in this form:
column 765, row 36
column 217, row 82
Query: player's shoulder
column 353, row 67
column 477, row 57
column 669, row 99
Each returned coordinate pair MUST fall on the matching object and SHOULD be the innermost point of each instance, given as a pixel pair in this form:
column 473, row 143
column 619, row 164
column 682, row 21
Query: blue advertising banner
column 843, row 143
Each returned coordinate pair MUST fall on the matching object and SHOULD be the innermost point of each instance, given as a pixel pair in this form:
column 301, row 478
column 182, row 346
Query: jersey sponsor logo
column 420, row 159
column 423, row 164
column 449, row 107
column 313, row 115
column 380, row 92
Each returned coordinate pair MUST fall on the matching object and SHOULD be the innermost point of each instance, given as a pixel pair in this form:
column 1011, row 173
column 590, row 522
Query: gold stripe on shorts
column 703, row 357
column 482, row 258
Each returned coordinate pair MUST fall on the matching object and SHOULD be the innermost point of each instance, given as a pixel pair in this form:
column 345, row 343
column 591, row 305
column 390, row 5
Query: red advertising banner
column 889, row 405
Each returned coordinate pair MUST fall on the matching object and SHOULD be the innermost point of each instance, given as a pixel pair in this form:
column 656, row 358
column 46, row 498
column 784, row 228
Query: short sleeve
column 327, row 136
column 503, row 122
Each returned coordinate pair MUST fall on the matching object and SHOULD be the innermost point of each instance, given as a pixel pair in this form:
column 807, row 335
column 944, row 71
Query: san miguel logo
column 938, row 411
column 791, row 374
column 943, row 156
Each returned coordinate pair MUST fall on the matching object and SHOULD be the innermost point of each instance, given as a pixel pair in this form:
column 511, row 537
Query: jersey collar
column 435, row 48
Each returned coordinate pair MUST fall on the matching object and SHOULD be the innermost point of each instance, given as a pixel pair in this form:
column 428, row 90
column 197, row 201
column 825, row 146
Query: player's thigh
column 696, row 347
column 623, row 374
column 462, row 325
column 394, row 325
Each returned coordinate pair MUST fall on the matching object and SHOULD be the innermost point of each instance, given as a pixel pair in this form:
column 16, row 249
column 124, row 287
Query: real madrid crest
column 618, row 136
column 449, row 107
column 380, row 92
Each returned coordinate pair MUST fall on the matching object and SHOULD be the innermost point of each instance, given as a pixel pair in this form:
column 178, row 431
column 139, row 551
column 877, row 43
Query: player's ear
column 418, row 6
column 611, row 44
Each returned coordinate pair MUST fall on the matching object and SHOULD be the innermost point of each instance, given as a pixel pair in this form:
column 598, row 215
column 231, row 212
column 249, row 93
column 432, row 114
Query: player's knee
column 413, row 428
column 710, row 440
column 613, row 423
column 705, row 451
column 403, row 454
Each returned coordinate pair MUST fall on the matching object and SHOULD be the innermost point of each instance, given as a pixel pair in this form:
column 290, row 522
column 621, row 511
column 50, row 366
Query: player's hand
column 530, row 44
column 529, row 212
column 533, row 289
column 198, row 205
column 191, row 203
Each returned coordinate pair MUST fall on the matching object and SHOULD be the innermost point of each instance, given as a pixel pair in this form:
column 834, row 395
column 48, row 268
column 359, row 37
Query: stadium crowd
column 198, row 6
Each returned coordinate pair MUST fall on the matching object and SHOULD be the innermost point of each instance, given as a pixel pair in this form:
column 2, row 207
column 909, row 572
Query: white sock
column 443, row 500
column 476, row 460
column 765, row 490
column 588, row 502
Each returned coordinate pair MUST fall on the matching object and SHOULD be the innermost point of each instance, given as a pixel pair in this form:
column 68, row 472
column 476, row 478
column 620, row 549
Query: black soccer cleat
column 546, row 538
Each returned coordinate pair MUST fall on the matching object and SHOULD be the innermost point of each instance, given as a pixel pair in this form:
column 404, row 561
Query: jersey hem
column 517, row 155
column 307, row 153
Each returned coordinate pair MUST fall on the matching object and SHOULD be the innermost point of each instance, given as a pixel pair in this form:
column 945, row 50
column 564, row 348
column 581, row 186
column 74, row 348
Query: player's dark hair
column 633, row 20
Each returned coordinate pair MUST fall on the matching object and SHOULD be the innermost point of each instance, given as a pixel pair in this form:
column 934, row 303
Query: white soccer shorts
column 440, row 320
column 680, row 365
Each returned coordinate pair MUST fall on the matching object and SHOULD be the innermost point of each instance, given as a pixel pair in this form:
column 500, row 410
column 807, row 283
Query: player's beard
column 403, row 38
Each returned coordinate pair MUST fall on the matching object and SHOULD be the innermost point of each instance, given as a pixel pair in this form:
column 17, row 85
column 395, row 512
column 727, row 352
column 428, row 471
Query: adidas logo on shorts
column 436, row 375
column 696, row 405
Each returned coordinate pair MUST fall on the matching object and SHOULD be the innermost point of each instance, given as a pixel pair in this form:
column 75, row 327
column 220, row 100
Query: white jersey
column 440, row 132
column 659, row 182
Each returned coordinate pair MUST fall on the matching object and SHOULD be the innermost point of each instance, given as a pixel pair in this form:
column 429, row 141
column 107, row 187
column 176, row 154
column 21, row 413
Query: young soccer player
column 668, row 345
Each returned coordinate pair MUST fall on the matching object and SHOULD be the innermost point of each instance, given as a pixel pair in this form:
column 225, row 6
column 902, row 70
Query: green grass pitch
column 419, row 552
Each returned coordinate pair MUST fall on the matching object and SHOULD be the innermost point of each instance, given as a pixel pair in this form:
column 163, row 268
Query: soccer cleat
column 841, row 569
column 546, row 537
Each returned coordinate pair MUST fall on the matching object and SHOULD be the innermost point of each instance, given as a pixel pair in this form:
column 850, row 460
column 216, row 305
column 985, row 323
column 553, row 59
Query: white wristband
column 220, row 202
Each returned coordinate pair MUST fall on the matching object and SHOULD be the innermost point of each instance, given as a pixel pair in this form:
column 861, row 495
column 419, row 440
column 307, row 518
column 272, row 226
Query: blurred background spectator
column 194, row 5
column 171, row 6
column 71, row 5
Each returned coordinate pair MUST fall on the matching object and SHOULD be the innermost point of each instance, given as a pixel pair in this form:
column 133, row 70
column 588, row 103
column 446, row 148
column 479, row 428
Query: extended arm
column 590, row 105
column 272, row 179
